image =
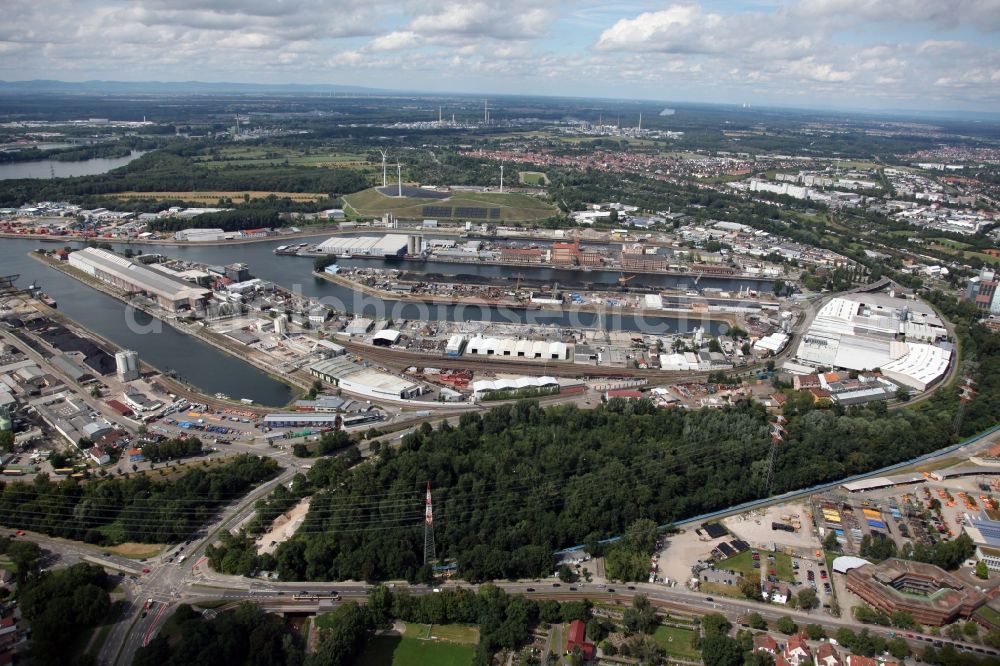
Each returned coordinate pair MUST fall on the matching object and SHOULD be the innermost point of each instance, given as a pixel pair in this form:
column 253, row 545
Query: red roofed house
column 800, row 382
column 797, row 651
column 578, row 638
column 857, row 660
column 826, row 655
column 765, row 643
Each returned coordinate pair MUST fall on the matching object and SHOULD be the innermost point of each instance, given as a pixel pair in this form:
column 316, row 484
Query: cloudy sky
column 919, row 54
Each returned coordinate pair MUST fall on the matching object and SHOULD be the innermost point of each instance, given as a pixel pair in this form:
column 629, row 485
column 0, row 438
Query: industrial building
column 132, row 277
column 932, row 595
column 869, row 331
column 299, row 420
column 127, row 365
column 484, row 387
column 528, row 349
column 364, row 381
column 200, row 235
column 389, row 245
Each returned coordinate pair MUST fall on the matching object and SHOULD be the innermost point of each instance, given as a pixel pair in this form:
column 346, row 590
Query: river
column 54, row 168
column 162, row 346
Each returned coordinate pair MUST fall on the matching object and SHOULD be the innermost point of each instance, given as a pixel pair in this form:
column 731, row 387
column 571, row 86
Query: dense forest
column 60, row 607
column 246, row 635
column 135, row 508
column 170, row 169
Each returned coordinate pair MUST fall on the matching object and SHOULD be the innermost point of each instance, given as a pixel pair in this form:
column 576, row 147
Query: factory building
column 389, row 245
column 508, row 348
column 200, row 235
column 869, row 331
column 484, row 387
column 127, row 365
column 132, row 277
column 350, row 376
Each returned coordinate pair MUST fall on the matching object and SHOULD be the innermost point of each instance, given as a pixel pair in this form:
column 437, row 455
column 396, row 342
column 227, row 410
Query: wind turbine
column 501, row 177
column 384, row 153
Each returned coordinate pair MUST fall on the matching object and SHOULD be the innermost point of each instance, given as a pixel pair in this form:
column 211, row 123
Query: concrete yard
column 682, row 551
column 755, row 527
column 283, row 528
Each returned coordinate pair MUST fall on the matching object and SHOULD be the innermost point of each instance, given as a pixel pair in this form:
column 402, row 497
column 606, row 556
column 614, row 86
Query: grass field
column 513, row 207
column 445, row 644
column 676, row 642
column 243, row 156
column 213, row 197
column 136, row 551
column 533, row 178
column 743, row 563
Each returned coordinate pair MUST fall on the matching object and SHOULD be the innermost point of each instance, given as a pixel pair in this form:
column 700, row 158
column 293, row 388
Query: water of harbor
column 164, row 347
column 295, row 273
column 54, row 168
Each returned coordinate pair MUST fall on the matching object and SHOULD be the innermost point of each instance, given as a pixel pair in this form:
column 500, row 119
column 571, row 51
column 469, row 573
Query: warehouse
column 506, row 347
column 389, row 245
column 375, row 384
column 364, row 381
column 133, row 277
column 456, row 344
column 484, row 387
column 869, row 331
column 386, row 338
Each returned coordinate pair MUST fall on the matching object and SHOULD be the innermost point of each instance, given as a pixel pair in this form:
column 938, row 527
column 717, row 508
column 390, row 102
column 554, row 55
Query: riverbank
column 725, row 317
column 300, row 382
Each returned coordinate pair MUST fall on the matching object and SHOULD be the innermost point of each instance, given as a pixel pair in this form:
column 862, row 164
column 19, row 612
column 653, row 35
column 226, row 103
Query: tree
column 641, row 535
column 6, row 440
column 898, row 647
column 714, row 624
column 808, row 598
column 641, row 617
column 95, row 391
column 982, row 571
column 721, row 650
column 566, row 574
column 815, row 632
column 750, row 588
column 756, row 621
column 786, row 625
column 970, row 629
column 25, row 555
column 830, row 541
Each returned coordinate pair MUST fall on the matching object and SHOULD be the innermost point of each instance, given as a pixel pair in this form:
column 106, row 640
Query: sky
column 866, row 54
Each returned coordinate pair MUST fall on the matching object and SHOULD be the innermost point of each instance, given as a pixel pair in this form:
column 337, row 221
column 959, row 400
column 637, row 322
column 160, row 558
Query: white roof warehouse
column 130, row 276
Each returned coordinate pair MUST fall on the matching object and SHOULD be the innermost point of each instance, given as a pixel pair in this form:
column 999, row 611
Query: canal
column 160, row 345
column 295, row 273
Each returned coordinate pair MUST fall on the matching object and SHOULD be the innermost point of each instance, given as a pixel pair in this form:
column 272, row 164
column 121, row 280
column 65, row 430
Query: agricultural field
column 212, row 198
column 511, row 207
column 445, row 644
column 533, row 178
column 676, row 642
column 245, row 156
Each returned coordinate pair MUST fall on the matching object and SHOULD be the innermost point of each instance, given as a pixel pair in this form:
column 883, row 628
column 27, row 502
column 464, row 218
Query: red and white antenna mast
column 429, row 548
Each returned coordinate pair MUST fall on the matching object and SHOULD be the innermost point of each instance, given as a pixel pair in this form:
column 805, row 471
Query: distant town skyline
column 865, row 54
